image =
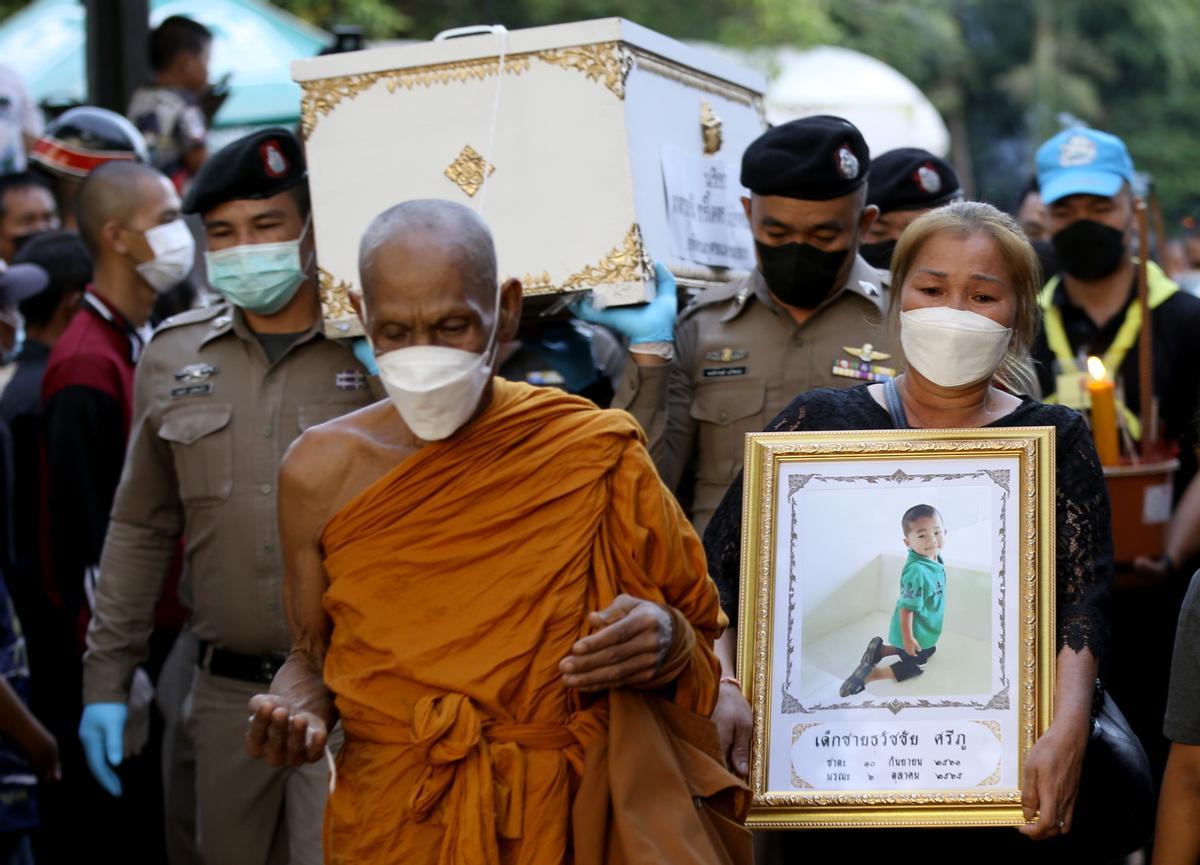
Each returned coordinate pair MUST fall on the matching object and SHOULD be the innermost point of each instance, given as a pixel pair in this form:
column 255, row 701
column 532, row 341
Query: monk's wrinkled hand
column 628, row 649
column 283, row 737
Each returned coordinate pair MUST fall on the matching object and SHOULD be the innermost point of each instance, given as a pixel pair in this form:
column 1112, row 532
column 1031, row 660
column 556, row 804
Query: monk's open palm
column 628, row 650
column 283, row 737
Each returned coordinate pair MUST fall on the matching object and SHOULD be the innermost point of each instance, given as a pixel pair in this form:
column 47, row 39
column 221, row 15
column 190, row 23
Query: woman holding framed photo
column 964, row 293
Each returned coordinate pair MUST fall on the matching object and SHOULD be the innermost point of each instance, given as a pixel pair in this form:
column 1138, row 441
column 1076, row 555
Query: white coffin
column 588, row 116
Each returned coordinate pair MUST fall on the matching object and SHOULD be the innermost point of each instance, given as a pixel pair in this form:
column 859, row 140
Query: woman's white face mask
column 953, row 347
column 437, row 389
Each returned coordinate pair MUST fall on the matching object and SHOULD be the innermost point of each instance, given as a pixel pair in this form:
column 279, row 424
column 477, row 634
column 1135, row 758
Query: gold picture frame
column 903, row 752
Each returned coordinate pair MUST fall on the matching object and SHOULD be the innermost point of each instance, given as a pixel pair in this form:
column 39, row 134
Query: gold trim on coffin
column 710, row 128
column 335, row 296
column 323, row 95
column 627, row 262
column 607, row 62
column 1035, row 543
column 539, row 284
column 468, row 170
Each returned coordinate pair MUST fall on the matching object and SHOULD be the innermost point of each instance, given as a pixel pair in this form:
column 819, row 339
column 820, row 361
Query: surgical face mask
column 952, row 347
column 1089, row 250
column 437, row 389
column 174, row 251
column 261, row 277
column 878, row 254
column 799, row 274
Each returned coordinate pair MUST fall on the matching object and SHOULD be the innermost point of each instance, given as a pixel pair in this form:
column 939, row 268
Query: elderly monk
column 442, row 551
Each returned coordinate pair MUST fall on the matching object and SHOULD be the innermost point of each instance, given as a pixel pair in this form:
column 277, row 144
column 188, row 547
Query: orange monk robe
column 457, row 583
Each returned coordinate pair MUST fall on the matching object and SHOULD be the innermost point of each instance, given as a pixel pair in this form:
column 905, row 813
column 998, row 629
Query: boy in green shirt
column 920, row 609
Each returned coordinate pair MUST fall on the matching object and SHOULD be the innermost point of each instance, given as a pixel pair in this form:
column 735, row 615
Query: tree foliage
column 377, row 18
column 1005, row 74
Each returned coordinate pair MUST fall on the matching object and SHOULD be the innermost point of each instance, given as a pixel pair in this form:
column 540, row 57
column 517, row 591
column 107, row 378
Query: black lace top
column 1084, row 565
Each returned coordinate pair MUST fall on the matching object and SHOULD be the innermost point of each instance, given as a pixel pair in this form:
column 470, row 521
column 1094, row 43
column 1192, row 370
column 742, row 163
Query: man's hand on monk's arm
column 290, row 724
column 628, row 649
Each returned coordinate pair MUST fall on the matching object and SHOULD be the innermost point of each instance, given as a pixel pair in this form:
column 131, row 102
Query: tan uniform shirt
column 739, row 360
column 212, row 421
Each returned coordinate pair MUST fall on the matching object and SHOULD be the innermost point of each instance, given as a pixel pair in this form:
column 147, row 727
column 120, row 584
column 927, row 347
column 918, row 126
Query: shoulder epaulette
column 192, row 316
column 738, row 291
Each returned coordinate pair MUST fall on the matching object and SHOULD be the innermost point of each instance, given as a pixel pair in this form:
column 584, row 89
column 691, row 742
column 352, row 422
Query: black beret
column 261, row 165
column 911, row 179
column 814, row 158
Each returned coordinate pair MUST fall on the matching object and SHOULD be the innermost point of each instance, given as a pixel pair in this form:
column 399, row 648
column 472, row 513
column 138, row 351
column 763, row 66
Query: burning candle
column 1102, row 392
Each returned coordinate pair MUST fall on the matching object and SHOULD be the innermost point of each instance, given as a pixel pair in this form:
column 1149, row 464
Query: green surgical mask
column 261, row 277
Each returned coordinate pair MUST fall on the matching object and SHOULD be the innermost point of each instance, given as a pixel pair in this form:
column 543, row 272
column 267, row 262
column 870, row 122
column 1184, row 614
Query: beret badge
column 847, row 162
column 274, row 162
column 927, row 178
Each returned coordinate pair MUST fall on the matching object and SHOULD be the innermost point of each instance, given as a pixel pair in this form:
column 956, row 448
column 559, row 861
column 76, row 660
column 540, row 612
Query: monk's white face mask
column 437, row 389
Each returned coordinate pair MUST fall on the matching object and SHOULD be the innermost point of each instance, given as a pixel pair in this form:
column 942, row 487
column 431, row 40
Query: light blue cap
column 1082, row 162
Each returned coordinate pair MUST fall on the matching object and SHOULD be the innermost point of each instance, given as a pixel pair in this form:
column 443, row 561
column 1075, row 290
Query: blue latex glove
column 654, row 322
column 102, row 731
column 365, row 354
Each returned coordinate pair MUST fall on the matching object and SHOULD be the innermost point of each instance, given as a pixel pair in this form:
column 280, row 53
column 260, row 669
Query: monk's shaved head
column 114, row 191
column 428, row 275
column 433, row 227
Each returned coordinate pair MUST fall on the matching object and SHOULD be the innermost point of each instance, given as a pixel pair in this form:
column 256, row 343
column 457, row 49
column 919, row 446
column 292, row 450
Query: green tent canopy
column 253, row 41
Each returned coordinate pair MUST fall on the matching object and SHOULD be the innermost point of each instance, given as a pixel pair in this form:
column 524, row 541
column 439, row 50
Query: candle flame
column 1096, row 369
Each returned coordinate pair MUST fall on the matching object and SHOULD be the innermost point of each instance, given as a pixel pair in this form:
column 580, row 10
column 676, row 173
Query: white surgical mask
column 952, row 347
column 174, row 251
column 437, row 389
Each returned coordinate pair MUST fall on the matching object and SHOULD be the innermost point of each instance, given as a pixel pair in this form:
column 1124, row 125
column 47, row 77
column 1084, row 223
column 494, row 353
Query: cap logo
column 273, row 159
column 1078, row 150
column 928, row 179
column 847, row 162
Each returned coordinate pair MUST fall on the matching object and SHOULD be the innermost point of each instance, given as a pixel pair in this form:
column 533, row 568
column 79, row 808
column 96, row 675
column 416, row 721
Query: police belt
column 245, row 668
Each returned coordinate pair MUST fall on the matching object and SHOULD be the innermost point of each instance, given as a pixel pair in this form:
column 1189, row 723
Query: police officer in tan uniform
column 904, row 183
column 809, row 316
column 220, row 395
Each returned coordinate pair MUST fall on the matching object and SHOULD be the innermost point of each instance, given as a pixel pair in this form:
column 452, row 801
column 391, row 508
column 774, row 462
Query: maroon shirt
column 87, row 405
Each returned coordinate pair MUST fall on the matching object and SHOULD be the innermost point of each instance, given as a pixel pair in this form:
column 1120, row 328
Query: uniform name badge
column 1071, row 390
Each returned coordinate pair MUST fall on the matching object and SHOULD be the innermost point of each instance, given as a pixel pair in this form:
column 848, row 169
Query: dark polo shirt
column 1176, row 327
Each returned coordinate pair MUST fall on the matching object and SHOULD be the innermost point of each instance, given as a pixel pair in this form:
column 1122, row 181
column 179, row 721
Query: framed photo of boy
column 896, row 639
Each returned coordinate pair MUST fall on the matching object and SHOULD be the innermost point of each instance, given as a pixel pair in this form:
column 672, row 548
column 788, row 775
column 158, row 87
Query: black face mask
column 1089, row 250
column 1047, row 257
column 800, row 274
column 878, row 254
column 21, row 239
